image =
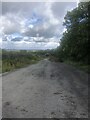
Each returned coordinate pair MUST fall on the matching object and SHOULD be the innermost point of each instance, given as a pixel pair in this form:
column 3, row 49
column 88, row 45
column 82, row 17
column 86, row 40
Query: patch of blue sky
column 15, row 35
column 34, row 20
column 82, row 20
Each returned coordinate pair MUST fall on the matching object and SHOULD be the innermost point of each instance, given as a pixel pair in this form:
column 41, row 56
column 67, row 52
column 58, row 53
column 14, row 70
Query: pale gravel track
column 45, row 90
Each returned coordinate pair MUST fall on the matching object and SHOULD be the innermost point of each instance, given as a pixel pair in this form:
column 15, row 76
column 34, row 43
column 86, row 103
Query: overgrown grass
column 0, row 66
column 12, row 59
column 79, row 65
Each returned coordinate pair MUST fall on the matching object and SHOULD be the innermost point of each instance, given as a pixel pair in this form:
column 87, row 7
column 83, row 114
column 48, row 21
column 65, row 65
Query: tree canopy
column 74, row 43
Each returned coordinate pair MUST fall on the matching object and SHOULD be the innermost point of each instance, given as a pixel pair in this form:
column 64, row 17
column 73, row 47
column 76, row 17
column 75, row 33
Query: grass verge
column 13, row 60
column 80, row 66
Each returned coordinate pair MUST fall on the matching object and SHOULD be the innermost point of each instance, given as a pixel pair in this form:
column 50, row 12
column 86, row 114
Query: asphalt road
column 45, row 90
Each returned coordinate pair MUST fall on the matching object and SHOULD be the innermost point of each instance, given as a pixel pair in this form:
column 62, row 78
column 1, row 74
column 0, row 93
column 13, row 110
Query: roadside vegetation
column 0, row 60
column 74, row 45
column 16, row 59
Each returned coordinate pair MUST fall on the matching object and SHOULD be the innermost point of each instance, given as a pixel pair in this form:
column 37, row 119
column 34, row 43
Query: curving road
column 45, row 90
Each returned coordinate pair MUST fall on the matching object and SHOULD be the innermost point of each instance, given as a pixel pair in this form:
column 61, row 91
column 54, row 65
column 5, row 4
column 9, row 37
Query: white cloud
column 51, row 45
column 31, row 26
column 39, row 25
column 9, row 24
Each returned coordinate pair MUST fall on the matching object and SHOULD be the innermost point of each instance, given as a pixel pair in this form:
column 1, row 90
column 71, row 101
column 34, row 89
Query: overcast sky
column 33, row 25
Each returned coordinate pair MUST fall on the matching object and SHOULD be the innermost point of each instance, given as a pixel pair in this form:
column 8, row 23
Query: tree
column 74, row 43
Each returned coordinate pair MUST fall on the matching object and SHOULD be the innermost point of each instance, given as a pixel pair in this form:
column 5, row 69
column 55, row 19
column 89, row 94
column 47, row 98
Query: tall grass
column 79, row 65
column 17, row 59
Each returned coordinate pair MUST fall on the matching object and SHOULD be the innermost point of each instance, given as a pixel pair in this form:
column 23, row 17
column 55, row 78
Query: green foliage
column 17, row 59
column 79, row 65
column 74, row 44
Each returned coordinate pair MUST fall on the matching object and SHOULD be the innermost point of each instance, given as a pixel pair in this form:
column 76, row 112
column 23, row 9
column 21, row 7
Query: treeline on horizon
column 74, row 45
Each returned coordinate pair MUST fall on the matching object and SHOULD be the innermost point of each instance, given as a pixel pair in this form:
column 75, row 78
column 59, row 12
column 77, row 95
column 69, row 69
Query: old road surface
column 45, row 90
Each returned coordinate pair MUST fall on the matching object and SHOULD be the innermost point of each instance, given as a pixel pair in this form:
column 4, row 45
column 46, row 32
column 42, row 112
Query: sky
column 32, row 25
